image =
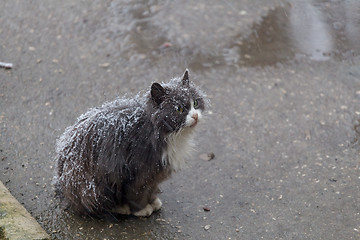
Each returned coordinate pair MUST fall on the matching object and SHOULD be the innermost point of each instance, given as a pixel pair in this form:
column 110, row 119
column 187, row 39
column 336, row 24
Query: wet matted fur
column 114, row 156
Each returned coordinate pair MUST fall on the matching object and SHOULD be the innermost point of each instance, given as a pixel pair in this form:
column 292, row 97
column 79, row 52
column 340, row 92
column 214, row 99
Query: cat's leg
column 123, row 209
column 154, row 200
column 142, row 199
column 156, row 204
column 149, row 208
column 145, row 212
column 137, row 196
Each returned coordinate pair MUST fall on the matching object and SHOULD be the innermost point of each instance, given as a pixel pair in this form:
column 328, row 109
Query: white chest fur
column 180, row 144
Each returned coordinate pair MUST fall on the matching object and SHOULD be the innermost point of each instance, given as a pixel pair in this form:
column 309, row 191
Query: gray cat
column 114, row 157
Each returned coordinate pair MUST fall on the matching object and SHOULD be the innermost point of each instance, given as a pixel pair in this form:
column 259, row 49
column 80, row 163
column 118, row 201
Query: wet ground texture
column 284, row 82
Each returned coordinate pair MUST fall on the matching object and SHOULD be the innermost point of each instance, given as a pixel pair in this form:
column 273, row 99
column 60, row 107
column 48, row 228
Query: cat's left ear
column 157, row 93
column 185, row 78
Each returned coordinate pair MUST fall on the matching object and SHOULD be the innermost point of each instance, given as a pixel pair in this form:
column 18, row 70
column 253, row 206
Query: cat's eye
column 179, row 109
column 196, row 103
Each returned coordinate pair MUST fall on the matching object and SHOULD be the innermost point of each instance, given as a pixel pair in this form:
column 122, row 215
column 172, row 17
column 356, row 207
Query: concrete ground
column 284, row 83
column 15, row 222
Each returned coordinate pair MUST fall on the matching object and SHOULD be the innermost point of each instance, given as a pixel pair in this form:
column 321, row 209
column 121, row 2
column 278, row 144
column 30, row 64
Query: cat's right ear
column 157, row 93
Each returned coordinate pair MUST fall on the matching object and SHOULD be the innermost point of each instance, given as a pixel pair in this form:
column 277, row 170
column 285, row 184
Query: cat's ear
column 157, row 93
column 185, row 78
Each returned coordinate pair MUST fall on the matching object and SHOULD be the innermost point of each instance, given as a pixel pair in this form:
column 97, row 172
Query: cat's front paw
column 156, row 204
column 145, row 212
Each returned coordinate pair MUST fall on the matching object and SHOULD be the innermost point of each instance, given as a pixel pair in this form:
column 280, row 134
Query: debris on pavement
column 104, row 65
column 6, row 65
column 206, row 209
column 207, row 156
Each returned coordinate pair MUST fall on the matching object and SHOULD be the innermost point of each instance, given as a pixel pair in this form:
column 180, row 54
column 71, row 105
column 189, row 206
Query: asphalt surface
column 284, row 84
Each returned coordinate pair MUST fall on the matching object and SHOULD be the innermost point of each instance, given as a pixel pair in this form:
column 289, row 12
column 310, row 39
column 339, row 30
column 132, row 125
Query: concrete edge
column 15, row 221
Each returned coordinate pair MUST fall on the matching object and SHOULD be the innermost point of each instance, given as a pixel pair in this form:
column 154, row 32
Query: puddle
column 316, row 30
column 267, row 44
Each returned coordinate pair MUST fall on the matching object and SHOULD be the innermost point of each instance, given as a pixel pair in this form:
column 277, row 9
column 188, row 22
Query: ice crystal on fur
column 114, row 156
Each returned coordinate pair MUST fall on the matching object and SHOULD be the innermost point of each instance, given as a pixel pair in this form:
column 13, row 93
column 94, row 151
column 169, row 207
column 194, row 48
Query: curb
column 15, row 221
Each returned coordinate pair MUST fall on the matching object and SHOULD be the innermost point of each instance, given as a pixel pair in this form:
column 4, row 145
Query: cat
column 115, row 156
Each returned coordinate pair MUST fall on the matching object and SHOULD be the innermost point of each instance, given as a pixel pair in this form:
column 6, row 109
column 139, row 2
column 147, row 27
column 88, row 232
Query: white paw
column 147, row 211
column 123, row 209
column 156, row 205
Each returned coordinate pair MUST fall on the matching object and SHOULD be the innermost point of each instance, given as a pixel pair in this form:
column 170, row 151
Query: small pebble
column 207, row 227
column 207, row 156
column 104, row 65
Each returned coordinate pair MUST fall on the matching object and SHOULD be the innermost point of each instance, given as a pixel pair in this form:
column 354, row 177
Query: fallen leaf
column 206, row 209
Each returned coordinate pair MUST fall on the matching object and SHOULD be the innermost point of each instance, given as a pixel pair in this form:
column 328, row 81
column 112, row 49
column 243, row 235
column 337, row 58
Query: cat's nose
column 195, row 116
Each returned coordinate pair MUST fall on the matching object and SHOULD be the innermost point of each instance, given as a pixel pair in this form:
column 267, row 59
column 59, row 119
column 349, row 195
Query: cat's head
column 179, row 104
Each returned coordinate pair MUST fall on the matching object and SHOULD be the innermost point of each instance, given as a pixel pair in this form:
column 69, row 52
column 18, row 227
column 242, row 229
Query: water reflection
column 352, row 22
column 318, row 30
column 309, row 32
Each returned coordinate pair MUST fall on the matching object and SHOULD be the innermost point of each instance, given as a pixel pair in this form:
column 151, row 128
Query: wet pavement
column 284, row 83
